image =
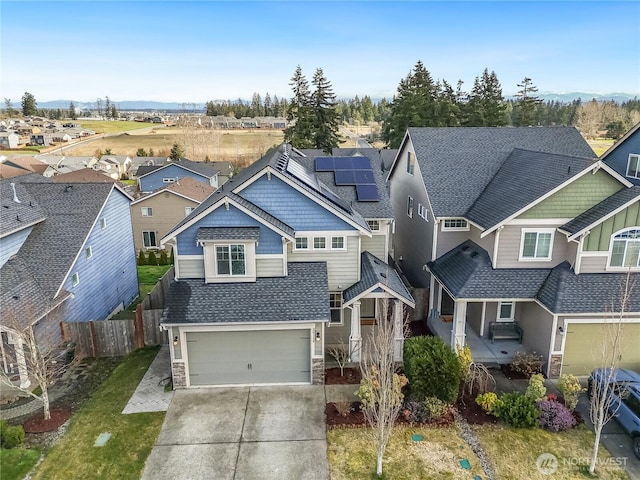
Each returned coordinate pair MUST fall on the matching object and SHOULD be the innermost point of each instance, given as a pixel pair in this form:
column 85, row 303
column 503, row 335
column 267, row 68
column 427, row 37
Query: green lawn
column 105, row 126
column 133, row 436
column 150, row 274
column 17, row 462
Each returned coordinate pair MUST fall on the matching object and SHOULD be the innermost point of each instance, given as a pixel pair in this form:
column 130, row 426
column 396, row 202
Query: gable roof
column 26, row 162
column 457, row 163
column 600, row 212
column 85, row 175
column 205, row 234
column 524, row 177
column 185, row 187
column 200, row 168
column 620, row 141
column 377, row 274
column 302, row 296
column 15, row 216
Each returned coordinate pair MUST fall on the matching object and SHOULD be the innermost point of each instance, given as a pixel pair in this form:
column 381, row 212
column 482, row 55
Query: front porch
column 482, row 349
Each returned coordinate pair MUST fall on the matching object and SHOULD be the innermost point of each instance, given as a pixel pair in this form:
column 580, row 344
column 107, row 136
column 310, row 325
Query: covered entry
column 249, row 357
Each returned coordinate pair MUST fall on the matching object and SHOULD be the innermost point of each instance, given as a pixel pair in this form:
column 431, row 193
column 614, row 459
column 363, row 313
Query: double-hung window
column 319, row 243
column 633, row 166
column 230, row 260
column 506, row 312
column 335, row 307
column 625, row 249
column 337, row 243
column 149, row 239
column 536, row 244
column 302, row 243
column 374, row 225
column 147, row 212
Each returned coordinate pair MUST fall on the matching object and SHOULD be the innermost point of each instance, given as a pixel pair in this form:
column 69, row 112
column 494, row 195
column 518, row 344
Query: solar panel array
column 355, row 171
column 308, row 178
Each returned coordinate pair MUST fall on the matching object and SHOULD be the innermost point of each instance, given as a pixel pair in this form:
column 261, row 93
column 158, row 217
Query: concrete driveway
column 242, row 433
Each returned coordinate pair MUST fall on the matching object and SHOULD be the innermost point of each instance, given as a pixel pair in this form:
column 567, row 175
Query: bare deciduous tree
column 602, row 404
column 340, row 354
column 381, row 387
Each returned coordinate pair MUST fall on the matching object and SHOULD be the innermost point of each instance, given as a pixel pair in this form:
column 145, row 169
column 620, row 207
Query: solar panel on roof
column 324, row 164
column 343, row 163
column 361, row 163
column 367, row 193
column 302, row 174
column 345, row 177
column 363, row 176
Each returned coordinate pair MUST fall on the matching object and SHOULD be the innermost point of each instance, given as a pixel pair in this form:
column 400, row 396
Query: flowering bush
column 536, row 389
column 554, row 416
column 570, row 387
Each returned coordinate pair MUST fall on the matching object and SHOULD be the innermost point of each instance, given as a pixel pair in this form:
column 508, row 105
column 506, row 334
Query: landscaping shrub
column 488, row 401
column 434, row 408
column 413, row 412
column 571, row 389
column 554, row 416
column 163, row 258
column 171, row 257
column 152, row 259
column 11, row 437
column 142, row 260
column 526, row 363
column 536, row 389
column 433, row 369
column 517, row 410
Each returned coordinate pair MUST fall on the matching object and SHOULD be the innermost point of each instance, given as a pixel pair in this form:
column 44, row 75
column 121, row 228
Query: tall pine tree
column 299, row 133
column 326, row 117
column 486, row 106
column 526, row 104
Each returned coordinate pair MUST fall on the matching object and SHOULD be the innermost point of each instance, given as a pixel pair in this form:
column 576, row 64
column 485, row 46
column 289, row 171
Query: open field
column 104, row 126
column 600, row 145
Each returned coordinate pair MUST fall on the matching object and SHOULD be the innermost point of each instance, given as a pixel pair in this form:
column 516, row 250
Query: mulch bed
column 511, row 374
column 419, row 328
column 472, row 412
column 37, row 423
column 351, row 376
column 355, row 418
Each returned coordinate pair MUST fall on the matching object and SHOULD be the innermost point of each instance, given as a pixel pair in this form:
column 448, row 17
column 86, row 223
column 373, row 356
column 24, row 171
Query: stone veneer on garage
column 555, row 366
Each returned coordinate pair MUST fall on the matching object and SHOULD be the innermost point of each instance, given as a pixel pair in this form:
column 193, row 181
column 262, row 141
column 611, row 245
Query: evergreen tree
column 257, row 110
column 326, row 123
column 8, row 108
column 142, row 260
column 526, row 104
column 151, row 153
column 152, row 259
column 177, row 152
column 268, row 108
column 486, row 106
column 107, row 107
column 163, row 258
column 72, row 111
column 114, row 111
column 299, row 133
column 29, row 105
column 141, row 152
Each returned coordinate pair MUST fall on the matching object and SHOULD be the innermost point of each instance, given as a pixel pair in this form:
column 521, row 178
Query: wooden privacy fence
column 114, row 338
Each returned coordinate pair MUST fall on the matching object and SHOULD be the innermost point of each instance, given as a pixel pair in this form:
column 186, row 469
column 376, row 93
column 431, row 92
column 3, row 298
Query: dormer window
column 625, row 249
column 229, row 253
column 230, row 260
column 633, row 166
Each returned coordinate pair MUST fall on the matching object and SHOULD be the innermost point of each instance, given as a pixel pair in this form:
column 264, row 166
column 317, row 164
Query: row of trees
column 269, row 107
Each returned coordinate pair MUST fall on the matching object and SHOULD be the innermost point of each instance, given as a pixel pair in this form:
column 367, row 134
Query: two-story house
column 517, row 228
column 275, row 265
column 153, row 177
column 66, row 254
column 624, row 155
column 154, row 214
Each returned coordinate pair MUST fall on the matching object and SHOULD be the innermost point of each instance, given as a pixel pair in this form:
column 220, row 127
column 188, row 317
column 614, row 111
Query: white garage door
column 249, row 357
column 582, row 347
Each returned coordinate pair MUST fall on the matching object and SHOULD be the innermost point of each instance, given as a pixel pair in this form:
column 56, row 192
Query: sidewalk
column 150, row 395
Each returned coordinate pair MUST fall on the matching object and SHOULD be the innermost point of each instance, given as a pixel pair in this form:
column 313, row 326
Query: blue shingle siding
column 270, row 242
column 11, row 244
column 291, row 206
column 618, row 158
column 109, row 277
column 152, row 181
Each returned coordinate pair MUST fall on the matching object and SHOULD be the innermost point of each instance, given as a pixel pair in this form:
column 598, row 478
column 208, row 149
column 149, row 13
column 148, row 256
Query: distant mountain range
column 148, row 105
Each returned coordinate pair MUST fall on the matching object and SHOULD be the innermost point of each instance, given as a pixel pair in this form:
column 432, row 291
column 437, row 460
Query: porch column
column 398, row 331
column 438, row 300
column 459, row 323
column 355, row 339
column 432, row 298
column 22, row 365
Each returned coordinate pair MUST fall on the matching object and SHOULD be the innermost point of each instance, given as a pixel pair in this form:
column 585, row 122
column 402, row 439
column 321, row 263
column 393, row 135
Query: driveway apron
column 242, row 433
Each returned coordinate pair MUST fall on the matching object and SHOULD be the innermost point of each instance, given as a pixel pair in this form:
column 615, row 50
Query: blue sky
column 203, row 50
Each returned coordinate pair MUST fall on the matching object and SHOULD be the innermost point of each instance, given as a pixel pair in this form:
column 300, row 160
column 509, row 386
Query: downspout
column 494, row 259
column 577, row 266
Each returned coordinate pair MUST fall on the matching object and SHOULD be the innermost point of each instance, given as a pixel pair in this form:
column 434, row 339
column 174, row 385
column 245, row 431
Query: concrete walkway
column 150, row 395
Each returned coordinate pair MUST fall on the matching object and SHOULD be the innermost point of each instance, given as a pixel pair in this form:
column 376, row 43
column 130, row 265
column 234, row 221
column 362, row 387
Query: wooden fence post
column 138, row 327
column 94, row 339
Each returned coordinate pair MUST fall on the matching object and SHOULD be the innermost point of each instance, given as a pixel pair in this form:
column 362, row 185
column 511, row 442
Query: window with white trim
column 337, row 243
column 88, row 252
column 506, row 311
column 319, row 243
column 302, row 243
column 103, row 223
column 374, row 225
column 455, row 224
column 147, row 212
column 410, row 206
column 168, row 180
column 536, row 244
column 231, row 260
column 633, row 166
column 335, row 307
column 75, row 279
column 625, row 249
column 411, row 163
column 422, row 212
column 188, row 210
column 149, row 239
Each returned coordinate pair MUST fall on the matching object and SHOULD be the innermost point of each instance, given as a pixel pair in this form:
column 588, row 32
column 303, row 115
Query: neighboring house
column 60, row 164
column 41, row 139
column 153, row 178
column 224, row 169
column 154, row 214
column 114, row 165
column 9, row 140
column 624, row 155
column 517, row 227
column 86, row 175
column 61, row 137
column 275, row 266
column 137, row 162
column 66, row 255
column 18, row 166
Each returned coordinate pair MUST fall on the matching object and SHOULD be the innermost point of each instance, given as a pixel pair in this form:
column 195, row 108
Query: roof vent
column 383, row 275
column 15, row 195
column 68, row 188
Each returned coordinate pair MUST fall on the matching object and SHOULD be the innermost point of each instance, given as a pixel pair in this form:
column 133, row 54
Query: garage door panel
column 583, row 343
column 249, row 357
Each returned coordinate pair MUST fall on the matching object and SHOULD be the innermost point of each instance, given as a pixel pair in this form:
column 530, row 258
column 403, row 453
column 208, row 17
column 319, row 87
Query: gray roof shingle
column 15, row 216
column 228, row 233
column 524, row 177
column 301, row 296
column 200, row 168
column 375, row 272
column 602, row 209
column 458, row 163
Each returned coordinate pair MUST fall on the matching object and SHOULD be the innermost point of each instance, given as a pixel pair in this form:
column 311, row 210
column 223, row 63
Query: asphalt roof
column 301, row 296
column 379, row 209
column 375, row 272
column 200, row 168
column 566, row 292
column 458, row 163
column 15, row 216
column 194, row 189
column 602, row 209
column 228, row 233
column 524, row 177
column 466, row 272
